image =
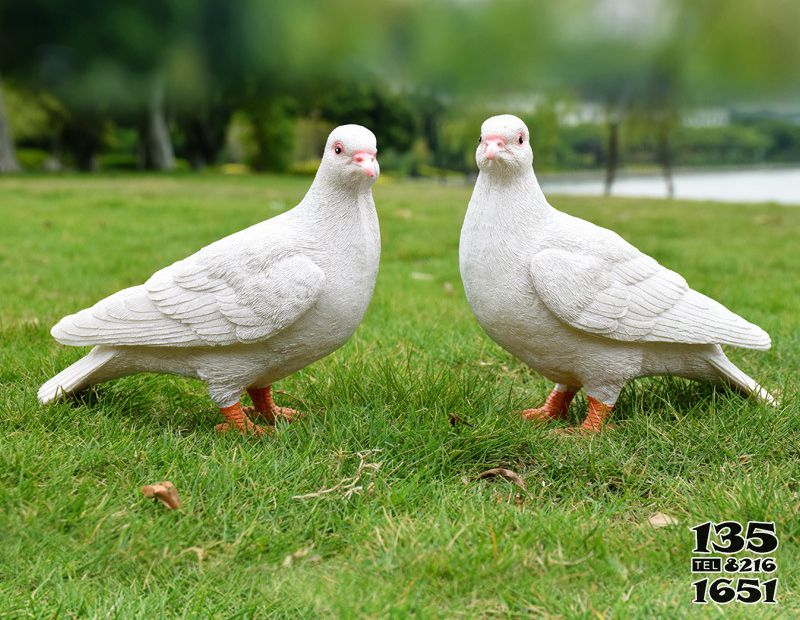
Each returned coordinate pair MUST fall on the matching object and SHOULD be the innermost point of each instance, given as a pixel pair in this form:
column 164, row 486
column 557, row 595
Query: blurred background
column 620, row 95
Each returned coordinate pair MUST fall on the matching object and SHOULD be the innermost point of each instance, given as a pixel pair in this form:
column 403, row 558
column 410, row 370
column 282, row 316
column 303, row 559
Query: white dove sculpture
column 251, row 308
column 576, row 302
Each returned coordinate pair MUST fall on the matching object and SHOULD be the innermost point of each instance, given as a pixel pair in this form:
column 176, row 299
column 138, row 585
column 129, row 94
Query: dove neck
column 517, row 195
column 334, row 204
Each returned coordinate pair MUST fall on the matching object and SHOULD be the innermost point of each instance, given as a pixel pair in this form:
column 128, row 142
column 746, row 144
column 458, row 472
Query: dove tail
column 736, row 378
column 80, row 375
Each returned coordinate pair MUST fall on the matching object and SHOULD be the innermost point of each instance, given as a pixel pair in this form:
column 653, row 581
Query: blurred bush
column 153, row 82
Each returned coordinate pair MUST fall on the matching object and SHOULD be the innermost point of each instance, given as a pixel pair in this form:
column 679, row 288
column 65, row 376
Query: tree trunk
column 204, row 130
column 612, row 154
column 82, row 135
column 8, row 156
column 155, row 145
column 260, row 161
column 665, row 156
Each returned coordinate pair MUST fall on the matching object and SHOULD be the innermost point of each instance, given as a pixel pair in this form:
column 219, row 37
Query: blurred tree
column 621, row 38
column 461, row 130
column 8, row 156
column 155, row 144
column 652, row 58
column 102, row 60
column 238, row 56
column 396, row 66
column 83, row 132
column 581, row 146
column 734, row 144
column 545, row 134
column 208, row 74
column 203, row 125
column 273, row 135
column 656, row 107
column 784, row 137
column 370, row 103
column 429, row 111
column 739, row 49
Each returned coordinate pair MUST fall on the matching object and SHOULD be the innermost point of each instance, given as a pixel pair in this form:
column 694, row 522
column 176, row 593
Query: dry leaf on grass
column 504, row 473
column 198, row 551
column 662, row 520
column 456, row 420
column 165, row 492
column 299, row 555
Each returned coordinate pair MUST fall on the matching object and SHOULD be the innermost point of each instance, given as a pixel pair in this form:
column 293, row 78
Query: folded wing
column 625, row 295
column 201, row 301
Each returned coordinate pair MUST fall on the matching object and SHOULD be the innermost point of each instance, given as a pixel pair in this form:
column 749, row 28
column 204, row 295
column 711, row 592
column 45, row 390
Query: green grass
column 423, row 538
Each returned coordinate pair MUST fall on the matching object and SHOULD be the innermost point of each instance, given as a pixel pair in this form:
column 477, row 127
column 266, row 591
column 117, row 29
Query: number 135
column 758, row 538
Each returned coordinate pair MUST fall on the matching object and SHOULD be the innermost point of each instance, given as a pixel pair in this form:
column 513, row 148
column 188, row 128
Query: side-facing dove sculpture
column 576, row 302
column 251, row 308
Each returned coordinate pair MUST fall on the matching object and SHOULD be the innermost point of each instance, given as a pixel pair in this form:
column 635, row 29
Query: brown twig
column 349, row 486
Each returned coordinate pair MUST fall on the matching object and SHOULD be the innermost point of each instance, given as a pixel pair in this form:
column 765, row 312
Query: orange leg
column 266, row 409
column 556, row 407
column 596, row 417
column 236, row 419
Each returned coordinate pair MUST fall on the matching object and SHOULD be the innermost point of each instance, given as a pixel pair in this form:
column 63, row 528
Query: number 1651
column 724, row 590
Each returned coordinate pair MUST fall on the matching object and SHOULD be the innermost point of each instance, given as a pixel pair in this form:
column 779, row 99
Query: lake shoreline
column 752, row 184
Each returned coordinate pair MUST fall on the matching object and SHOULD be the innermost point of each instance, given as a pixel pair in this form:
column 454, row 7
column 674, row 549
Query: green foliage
column 369, row 103
column 459, row 137
column 404, row 68
column 271, row 137
column 582, row 146
column 423, row 537
column 30, row 115
column 783, row 136
column 32, row 159
column 724, row 145
column 545, row 135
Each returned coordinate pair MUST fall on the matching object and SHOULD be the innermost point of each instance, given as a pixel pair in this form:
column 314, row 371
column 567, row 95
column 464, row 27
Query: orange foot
column 595, row 420
column 556, row 407
column 266, row 409
column 236, row 419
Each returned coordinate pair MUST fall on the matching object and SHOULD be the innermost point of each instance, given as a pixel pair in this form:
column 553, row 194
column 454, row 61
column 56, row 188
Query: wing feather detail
column 626, row 295
column 202, row 301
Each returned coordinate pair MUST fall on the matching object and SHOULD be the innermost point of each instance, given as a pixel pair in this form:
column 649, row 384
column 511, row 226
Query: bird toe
column 247, row 428
column 542, row 414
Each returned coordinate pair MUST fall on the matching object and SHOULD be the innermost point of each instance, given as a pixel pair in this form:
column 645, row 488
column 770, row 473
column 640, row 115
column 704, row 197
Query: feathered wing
column 202, row 301
column 617, row 292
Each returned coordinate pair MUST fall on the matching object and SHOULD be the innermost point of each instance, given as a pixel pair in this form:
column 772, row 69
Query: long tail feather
column 75, row 377
column 738, row 379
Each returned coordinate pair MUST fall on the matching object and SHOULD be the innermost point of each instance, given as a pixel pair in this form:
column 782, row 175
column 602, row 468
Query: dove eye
column 480, row 139
column 521, row 139
column 338, row 148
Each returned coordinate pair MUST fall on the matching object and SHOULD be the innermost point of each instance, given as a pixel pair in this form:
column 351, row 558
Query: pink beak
column 367, row 161
column 494, row 144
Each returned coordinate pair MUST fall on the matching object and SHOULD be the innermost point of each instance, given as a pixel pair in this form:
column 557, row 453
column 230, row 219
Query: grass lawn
column 421, row 536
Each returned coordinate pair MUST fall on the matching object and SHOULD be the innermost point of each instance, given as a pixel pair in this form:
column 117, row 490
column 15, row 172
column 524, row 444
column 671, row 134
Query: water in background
column 780, row 185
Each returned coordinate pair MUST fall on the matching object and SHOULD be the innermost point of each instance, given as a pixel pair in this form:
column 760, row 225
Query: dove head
column 350, row 156
column 504, row 145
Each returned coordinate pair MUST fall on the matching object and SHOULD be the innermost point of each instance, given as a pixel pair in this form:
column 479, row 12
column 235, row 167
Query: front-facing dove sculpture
column 251, row 308
column 575, row 301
